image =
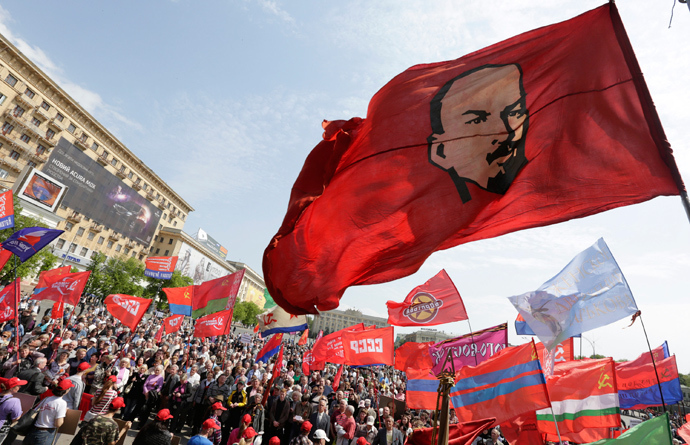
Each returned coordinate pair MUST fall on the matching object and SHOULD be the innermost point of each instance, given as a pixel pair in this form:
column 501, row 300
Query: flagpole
column 476, row 362
column 658, row 381
column 556, row 423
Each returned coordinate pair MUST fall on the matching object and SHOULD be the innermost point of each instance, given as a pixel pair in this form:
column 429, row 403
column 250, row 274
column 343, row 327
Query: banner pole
column 658, row 381
column 556, row 423
column 476, row 362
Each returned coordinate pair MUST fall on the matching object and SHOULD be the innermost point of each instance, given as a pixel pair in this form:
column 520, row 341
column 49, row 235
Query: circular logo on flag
column 424, row 308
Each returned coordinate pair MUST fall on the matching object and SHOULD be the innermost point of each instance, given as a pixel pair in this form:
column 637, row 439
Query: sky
column 224, row 100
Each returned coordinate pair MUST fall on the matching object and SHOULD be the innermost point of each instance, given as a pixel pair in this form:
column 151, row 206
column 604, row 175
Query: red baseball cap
column 249, row 433
column 246, row 418
column 306, row 426
column 57, row 340
column 213, row 424
column 65, row 384
column 275, row 440
column 118, row 403
column 218, row 405
column 83, row 366
column 6, row 384
column 362, row 441
column 164, row 414
column 113, row 378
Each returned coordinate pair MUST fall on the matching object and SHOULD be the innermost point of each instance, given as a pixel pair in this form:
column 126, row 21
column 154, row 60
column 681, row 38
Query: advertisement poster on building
column 197, row 266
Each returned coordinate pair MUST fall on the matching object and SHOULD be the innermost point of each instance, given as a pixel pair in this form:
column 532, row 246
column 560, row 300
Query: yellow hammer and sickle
column 225, row 283
column 603, row 381
column 186, row 296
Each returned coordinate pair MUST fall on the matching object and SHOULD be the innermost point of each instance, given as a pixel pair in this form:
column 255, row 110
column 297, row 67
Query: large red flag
column 58, row 310
column 5, row 255
column 308, row 362
column 66, row 288
column 338, row 376
column 435, row 302
column 458, row 434
column 126, row 308
column 413, row 355
column 216, row 295
column 422, row 389
column 329, row 348
column 173, row 323
column 214, row 324
column 553, row 124
column 180, row 299
column 8, row 301
column 369, row 347
column 684, row 432
column 303, row 339
column 46, row 274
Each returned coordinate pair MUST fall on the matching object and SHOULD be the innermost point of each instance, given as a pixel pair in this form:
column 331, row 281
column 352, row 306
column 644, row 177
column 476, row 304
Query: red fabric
column 458, row 434
column 413, row 355
column 159, row 335
column 85, row 404
column 422, row 389
column 126, row 308
column 256, row 328
column 522, row 430
column 369, row 347
column 223, row 287
column 46, row 274
column 644, row 359
column 336, row 379
column 330, row 347
column 278, row 364
column 58, row 310
column 64, row 287
column 5, row 256
column 180, row 295
column 307, row 362
column 563, row 352
column 377, row 196
column 161, row 263
column 8, row 301
column 173, row 323
column 684, row 432
column 214, row 324
column 435, row 302
column 303, row 339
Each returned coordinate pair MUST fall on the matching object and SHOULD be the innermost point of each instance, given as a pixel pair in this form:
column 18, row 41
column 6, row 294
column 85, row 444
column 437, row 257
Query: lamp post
column 592, row 343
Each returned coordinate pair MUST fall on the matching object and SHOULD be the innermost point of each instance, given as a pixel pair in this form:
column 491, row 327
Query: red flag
column 46, row 274
column 173, row 323
column 8, row 301
column 458, row 434
column 66, row 288
column 278, row 364
column 126, row 308
column 256, row 328
column 58, row 310
column 160, row 267
column 308, row 362
column 330, row 347
column 336, row 379
column 214, row 324
column 180, row 299
column 6, row 210
column 544, row 127
column 435, row 302
column 422, row 389
column 159, row 335
column 684, row 432
column 522, row 429
column 303, row 339
column 413, row 355
column 270, row 348
column 216, row 295
column 563, row 352
column 4, row 257
column 369, row 347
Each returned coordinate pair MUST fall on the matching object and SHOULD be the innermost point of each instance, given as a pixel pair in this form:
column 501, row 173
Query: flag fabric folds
column 435, row 302
column 173, row 323
column 303, row 339
column 180, row 299
column 66, row 288
column 659, row 353
column 270, row 348
column 216, row 295
column 522, row 328
column 654, row 431
column 425, row 172
column 26, row 242
column 584, row 398
column 590, row 292
column 276, row 320
column 6, row 210
column 308, row 362
column 638, row 387
column 563, row 352
column 470, row 349
column 8, row 301
column 422, row 389
column 127, row 308
column 412, row 355
column 458, row 434
column 329, row 348
column 49, row 273
column 213, row 325
column 504, row 386
column 278, row 364
column 684, row 432
column 160, row 267
column 369, row 347
column 5, row 256
column 338, row 376
column 58, row 310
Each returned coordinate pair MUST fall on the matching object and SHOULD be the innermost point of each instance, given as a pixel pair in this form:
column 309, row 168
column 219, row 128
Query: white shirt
column 194, row 379
column 51, row 408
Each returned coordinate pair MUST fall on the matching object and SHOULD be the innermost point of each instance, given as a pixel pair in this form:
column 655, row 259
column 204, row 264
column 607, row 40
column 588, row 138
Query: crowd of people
column 211, row 390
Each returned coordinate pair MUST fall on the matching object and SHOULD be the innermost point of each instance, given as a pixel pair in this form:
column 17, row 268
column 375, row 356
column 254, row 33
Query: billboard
column 41, row 190
column 211, row 244
column 101, row 196
column 197, row 266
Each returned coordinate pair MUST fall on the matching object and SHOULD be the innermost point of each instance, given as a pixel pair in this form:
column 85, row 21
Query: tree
column 115, row 276
column 154, row 285
column 43, row 260
column 245, row 312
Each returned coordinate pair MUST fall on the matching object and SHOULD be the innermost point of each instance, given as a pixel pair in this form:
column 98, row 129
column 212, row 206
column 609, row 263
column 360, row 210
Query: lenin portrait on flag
column 479, row 121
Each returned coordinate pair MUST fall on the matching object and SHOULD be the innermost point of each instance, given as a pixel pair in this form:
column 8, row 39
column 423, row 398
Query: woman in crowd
column 156, row 432
column 51, row 416
column 102, row 399
column 134, row 397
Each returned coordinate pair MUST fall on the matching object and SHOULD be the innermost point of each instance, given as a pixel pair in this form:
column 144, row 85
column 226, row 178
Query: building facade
column 335, row 320
column 113, row 202
column 424, row 336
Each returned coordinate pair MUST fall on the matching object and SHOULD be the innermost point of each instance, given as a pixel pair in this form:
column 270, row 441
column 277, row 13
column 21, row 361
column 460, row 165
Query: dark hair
column 59, row 392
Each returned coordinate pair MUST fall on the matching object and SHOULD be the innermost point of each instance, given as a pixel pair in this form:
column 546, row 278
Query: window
column 93, row 254
column 165, row 216
column 133, row 254
column 110, row 244
column 59, row 117
column 175, row 224
column 40, row 150
column 2, row 98
column 130, row 175
column 137, row 181
column 14, row 155
column 4, row 174
column 83, row 137
column 29, row 93
column 71, row 128
column 45, row 105
column 170, row 242
column 118, row 248
column 80, row 231
column 31, row 164
column 94, row 146
column 167, row 252
column 100, row 240
column 18, row 111
column 50, row 133
column 145, row 186
column 60, row 244
column 25, row 138
column 68, row 226
column 36, row 122
column 158, row 251
column 105, row 154
column 126, row 250
column 84, row 251
column 113, row 162
column 10, row 79
column 90, row 236
column 72, row 248
column 7, row 128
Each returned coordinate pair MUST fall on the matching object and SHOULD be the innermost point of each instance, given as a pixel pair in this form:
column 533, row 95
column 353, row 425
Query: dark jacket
column 325, row 424
column 280, row 417
column 34, row 378
column 381, row 438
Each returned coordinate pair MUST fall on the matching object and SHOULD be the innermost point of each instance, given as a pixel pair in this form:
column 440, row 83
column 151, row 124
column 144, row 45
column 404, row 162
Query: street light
column 592, row 343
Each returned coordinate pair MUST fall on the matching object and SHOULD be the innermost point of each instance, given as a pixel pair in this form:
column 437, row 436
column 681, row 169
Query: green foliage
column 154, row 285
column 684, row 379
column 115, row 276
column 43, row 260
column 246, row 312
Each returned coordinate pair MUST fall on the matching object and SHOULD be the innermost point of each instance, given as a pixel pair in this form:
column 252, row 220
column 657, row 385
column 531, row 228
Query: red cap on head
column 218, row 405
column 164, row 414
column 246, row 418
column 6, row 384
column 113, row 378
column 83, row 366
column 213, row 424
column 118, row 403
column 362, row 441
column 249, row 433
column 306, row 426
column 65, row 384
column 275, row 440
column 57, row 340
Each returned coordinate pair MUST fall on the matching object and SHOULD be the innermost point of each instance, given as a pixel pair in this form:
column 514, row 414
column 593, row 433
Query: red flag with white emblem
column 213, row 325
column 126, row 308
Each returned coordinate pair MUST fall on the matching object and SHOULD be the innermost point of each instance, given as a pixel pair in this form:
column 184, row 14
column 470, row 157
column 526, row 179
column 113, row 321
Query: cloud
column 272, row 8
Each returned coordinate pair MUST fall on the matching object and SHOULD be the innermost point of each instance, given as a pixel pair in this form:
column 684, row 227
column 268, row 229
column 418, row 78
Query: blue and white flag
column 276, row 320
column 588, row 293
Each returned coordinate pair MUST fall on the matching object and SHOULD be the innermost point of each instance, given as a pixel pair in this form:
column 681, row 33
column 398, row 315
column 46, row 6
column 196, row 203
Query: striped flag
column 270, row 348
column 584, row 399
column 422, row 389
column 504, row 386
column 638, row 387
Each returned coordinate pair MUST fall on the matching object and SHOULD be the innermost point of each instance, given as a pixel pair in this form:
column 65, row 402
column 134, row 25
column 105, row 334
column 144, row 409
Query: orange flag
column 303, row 339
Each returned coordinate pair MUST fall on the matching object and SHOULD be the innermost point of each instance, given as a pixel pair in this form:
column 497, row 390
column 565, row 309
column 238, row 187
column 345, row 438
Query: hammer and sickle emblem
column 187, row 296
column 666, row 373
column 603, row 380
column 225, row 283
column 269, row 319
